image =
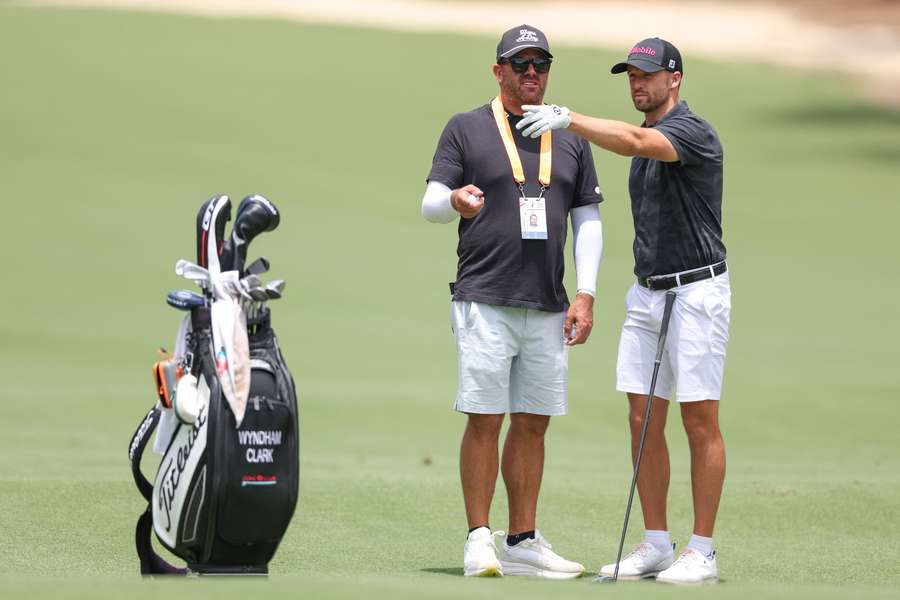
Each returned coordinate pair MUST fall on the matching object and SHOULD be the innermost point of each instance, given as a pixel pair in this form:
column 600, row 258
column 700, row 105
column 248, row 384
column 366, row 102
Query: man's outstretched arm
column 616, row 136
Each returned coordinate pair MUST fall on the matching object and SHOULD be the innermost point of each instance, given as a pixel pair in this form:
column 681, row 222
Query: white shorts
column 510, row 359
column 694, row 359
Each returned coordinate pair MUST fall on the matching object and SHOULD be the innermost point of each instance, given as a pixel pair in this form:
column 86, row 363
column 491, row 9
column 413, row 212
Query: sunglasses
column 520, row 65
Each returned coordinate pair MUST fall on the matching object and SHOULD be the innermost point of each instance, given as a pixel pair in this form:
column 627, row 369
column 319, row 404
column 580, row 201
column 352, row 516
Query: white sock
column 659, row 539
column 703, row 545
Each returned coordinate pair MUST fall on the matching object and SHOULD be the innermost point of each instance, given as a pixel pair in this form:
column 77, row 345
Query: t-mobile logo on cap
column 526, row 35
column 643, row 50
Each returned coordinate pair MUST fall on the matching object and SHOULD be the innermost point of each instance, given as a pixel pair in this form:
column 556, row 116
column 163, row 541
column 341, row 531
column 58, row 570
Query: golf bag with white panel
column 224, row 493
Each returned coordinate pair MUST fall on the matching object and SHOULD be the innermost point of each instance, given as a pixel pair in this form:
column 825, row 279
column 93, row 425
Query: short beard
column 650, row 104
column 512, row 91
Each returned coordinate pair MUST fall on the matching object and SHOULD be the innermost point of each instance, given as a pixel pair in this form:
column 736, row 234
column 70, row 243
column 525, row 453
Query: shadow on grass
column 870, row 124
column 837, row 114
column 458, row 572
column 455, row 571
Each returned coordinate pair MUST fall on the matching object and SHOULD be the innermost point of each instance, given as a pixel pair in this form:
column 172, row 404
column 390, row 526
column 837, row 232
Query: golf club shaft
column 660, row 347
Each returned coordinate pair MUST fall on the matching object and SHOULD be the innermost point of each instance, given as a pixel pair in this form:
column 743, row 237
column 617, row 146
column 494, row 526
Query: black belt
column 667, row 282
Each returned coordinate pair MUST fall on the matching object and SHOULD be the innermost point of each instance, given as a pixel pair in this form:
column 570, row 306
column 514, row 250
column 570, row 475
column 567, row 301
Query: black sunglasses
column 520, row 65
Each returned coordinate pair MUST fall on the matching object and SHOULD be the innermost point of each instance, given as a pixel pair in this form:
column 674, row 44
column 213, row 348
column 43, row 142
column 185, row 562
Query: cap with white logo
column 519, row 38
column 652, row 55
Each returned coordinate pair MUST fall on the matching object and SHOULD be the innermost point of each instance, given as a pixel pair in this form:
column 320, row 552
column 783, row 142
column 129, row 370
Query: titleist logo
column 176, row 466
column 643, row 50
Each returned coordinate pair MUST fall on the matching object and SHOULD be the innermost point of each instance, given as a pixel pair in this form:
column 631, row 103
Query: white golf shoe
column 691, row 568
column 534, row 557
column 480, row 555
column 646, row 560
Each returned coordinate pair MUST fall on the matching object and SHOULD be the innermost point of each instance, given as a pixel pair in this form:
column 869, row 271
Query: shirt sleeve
column 447, row 166
column 587, row 190
column 693, row 140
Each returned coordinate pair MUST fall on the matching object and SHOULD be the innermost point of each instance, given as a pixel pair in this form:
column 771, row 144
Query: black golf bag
column 223, row 495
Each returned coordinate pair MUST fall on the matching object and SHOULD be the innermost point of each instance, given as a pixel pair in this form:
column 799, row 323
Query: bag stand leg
column 151, row 562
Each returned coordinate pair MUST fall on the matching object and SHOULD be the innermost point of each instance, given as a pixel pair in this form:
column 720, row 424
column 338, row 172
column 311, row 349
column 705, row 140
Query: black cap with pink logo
column 652, row 55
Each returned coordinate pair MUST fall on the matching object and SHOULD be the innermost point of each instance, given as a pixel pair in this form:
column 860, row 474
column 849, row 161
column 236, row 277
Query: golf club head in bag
column 185, row 300
column 211, row 220
column 256, row 214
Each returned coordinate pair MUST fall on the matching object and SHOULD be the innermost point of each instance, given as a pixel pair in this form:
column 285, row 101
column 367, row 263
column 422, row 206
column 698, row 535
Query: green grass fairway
column 115, row 127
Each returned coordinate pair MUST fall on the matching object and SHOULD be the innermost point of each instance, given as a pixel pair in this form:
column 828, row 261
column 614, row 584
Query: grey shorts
column 510, row 359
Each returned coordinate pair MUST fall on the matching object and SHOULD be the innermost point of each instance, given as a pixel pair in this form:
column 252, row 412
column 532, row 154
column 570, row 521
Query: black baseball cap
column 519, row 38
column 652, row 55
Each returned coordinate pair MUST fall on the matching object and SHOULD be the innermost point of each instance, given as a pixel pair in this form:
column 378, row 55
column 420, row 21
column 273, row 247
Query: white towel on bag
column 231, row 347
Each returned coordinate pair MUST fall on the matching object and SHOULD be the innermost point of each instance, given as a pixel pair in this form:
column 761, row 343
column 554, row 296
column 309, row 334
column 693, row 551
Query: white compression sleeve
column 587, row 230
column 436, row 206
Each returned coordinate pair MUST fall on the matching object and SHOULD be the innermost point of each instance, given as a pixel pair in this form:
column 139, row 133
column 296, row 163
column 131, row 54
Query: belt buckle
column 650, row 283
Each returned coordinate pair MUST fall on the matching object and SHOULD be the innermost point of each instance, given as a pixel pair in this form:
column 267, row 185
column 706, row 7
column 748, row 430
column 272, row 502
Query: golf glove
column 543, row 118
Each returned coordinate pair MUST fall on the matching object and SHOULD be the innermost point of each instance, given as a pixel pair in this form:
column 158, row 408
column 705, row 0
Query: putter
column 660, row 346
column 185, row 300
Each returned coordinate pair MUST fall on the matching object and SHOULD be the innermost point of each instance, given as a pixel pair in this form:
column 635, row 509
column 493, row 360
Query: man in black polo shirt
column 676, row 201
column 510, row 313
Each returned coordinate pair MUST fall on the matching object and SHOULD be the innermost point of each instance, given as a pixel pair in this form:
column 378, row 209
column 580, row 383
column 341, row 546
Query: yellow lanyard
column 514, row 160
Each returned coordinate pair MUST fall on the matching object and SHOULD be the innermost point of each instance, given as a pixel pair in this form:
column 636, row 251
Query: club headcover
column 211, row 220
column 256, row 214
column 185, row 300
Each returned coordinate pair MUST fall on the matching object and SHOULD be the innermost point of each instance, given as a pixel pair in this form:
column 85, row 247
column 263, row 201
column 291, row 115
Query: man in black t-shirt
column 511, row 316
column 676, row 201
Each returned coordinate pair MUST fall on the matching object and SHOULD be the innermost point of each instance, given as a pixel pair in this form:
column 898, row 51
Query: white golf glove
column 543, row 118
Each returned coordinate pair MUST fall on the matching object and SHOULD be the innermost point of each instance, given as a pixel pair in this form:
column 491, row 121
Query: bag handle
column 136, row 451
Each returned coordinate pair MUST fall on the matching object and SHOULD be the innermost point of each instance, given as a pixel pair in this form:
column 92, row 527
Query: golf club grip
column 664, row 327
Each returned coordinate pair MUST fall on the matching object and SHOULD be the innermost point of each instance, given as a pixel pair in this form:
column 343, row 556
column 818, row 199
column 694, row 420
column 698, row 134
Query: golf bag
column 223, row 495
